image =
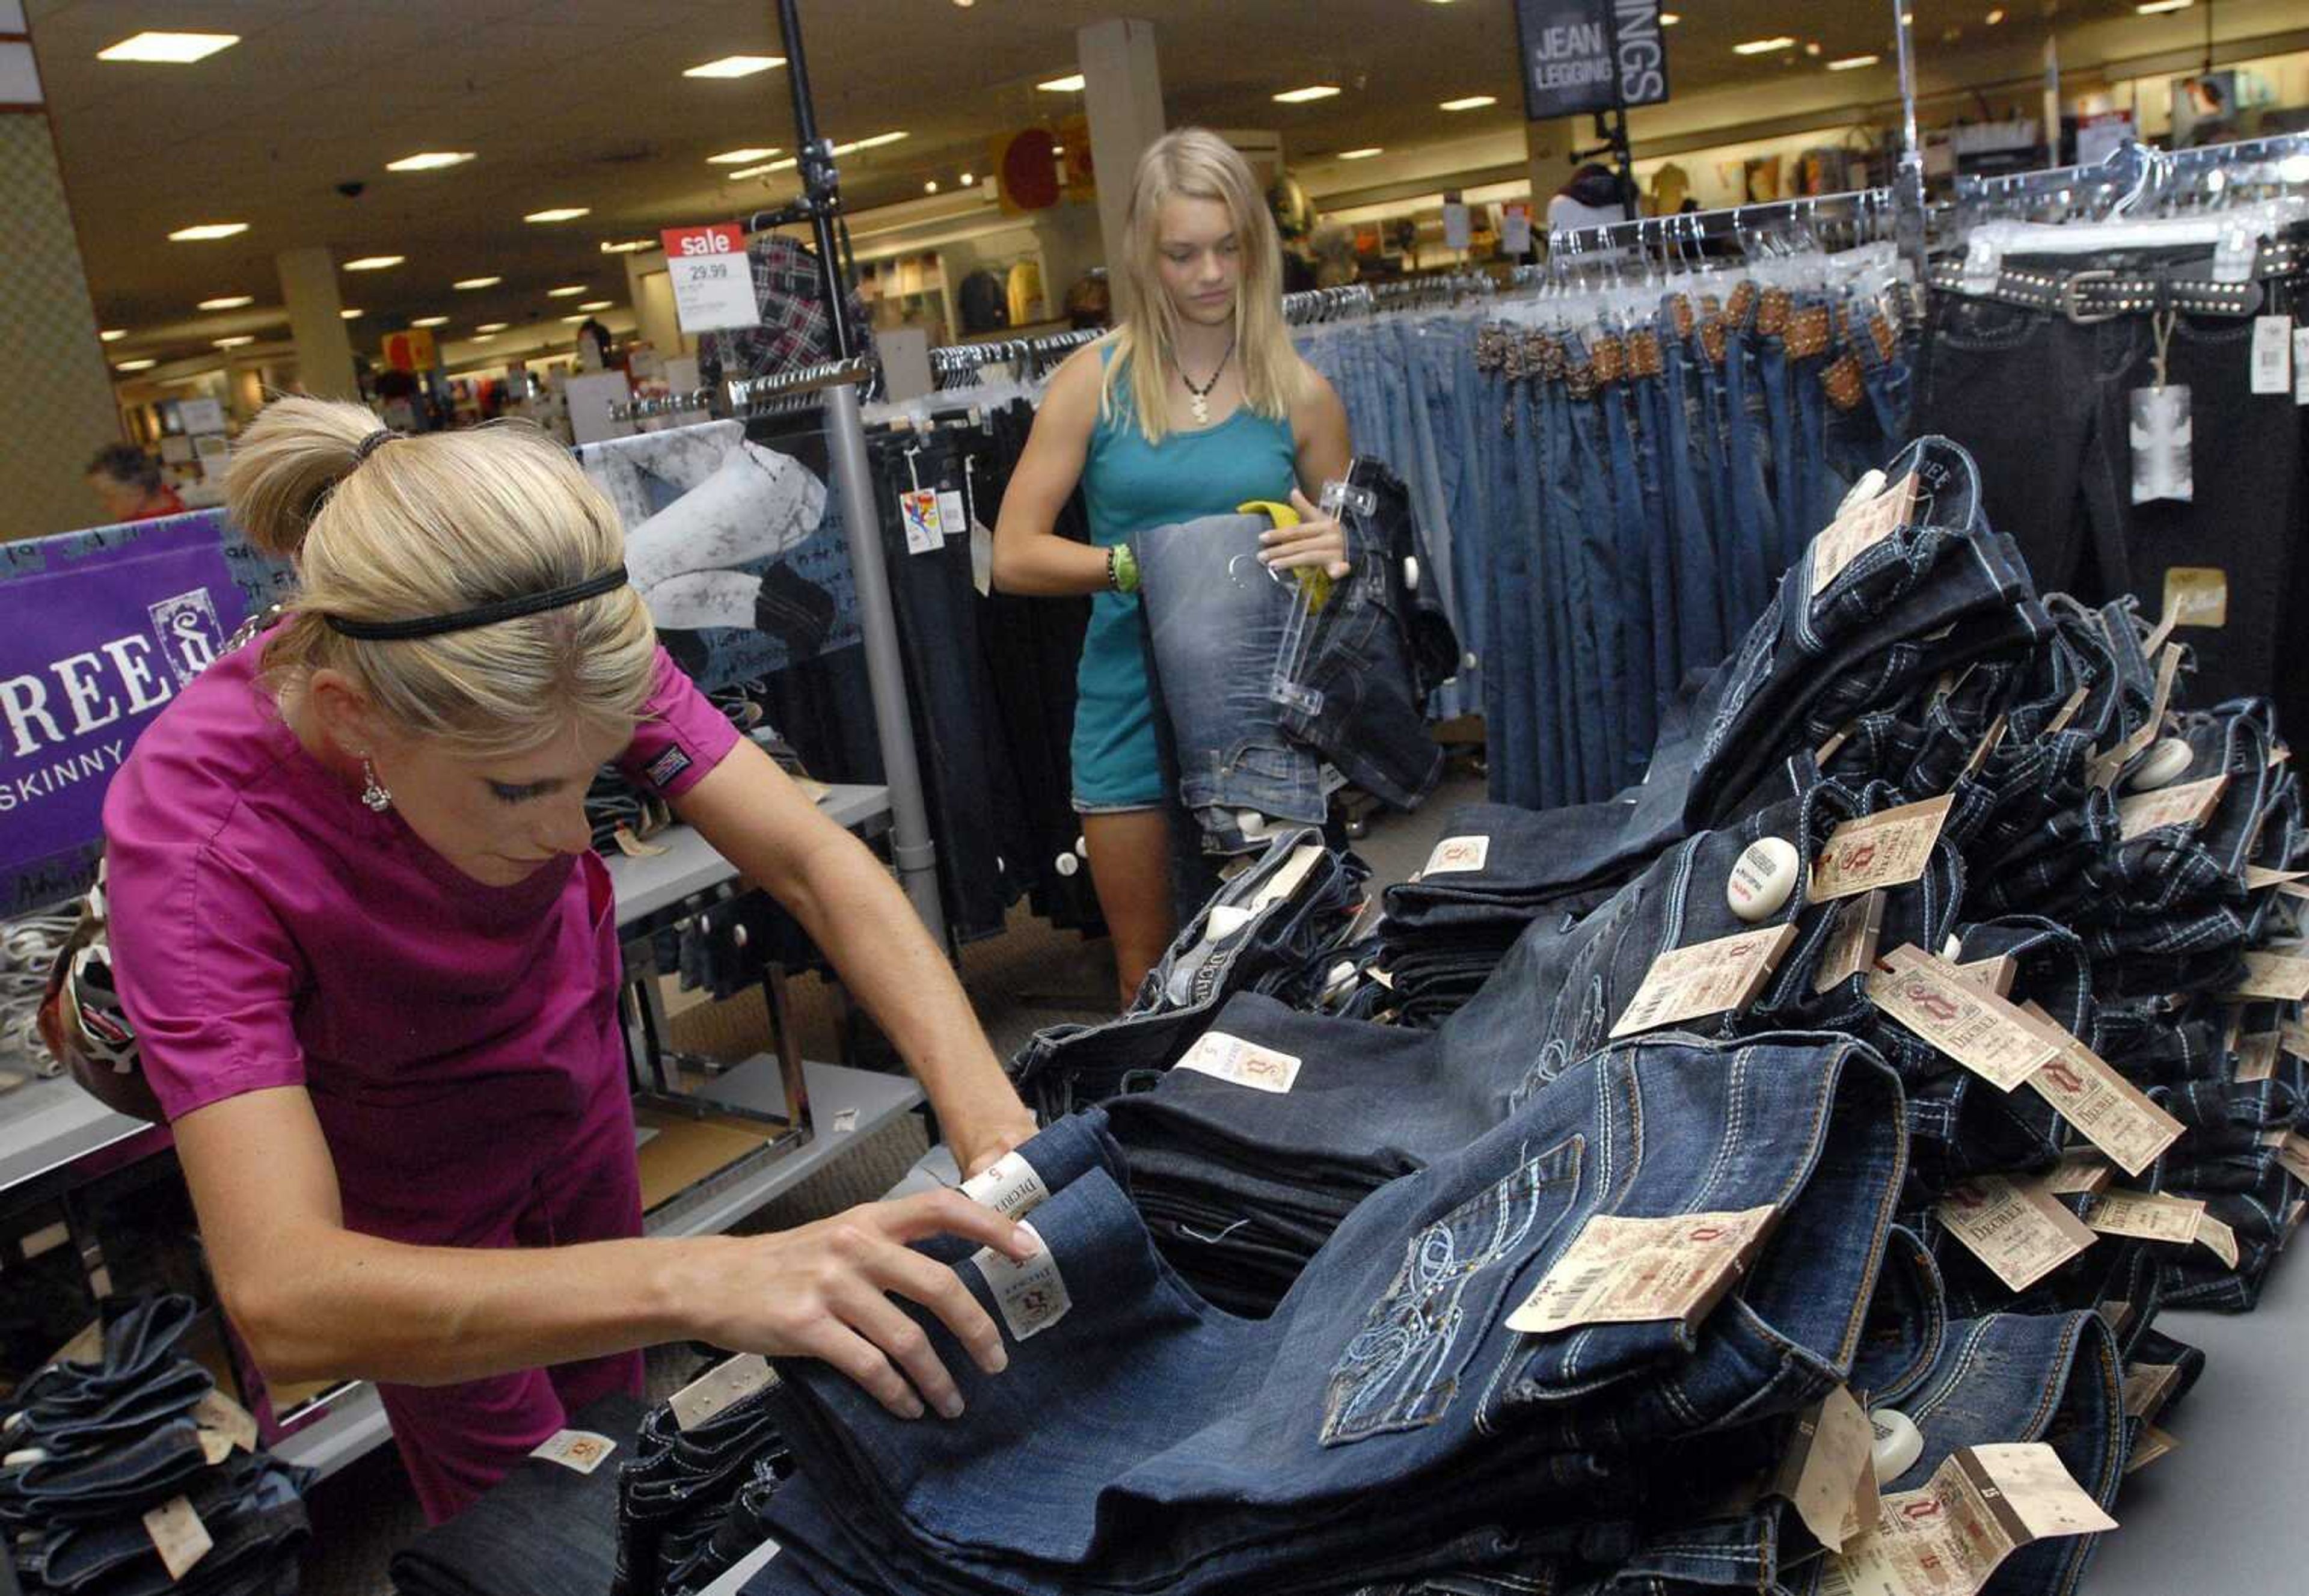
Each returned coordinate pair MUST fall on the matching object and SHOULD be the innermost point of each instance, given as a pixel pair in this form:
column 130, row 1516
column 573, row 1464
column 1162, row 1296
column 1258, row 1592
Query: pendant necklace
column 1200, row 404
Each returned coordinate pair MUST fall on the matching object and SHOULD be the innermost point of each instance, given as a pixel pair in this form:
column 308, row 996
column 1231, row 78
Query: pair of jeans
column 679, row 1489
column 1145, row 1439
column 252, row 1507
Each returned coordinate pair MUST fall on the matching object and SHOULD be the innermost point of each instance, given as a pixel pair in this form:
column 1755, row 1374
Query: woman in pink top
column 371, row 960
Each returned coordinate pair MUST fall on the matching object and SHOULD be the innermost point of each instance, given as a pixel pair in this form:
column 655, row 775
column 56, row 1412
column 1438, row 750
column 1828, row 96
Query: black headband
column 370, row 445
column 512, row 609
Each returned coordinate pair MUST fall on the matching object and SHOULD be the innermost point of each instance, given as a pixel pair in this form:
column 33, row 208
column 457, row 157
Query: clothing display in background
column 1024, row 290
column 101, row 1442
column 736, row 547
column 796, row 330
column 2080, row 337
column 985, row 296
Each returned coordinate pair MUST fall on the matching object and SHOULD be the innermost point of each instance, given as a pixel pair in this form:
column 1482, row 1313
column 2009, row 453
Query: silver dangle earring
column 373, row 792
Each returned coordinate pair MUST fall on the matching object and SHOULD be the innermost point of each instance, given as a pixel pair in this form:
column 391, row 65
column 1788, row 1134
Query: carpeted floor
column 1026, row 978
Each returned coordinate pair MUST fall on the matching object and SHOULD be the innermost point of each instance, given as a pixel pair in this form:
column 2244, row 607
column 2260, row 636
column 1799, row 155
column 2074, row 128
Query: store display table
column 689, row 865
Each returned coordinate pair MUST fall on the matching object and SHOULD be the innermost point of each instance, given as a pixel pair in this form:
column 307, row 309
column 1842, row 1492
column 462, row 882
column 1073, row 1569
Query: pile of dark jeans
column 1293, row 1240
column 93, row 1446
column 690, row 1501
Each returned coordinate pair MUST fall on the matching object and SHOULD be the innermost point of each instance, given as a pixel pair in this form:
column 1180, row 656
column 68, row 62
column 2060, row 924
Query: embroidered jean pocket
column 1403, row 1368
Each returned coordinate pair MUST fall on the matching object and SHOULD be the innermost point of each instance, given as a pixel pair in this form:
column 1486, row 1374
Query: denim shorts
column 1132, row 806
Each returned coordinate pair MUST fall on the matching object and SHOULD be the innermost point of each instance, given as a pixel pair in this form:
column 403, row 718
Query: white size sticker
column 954, row 520
column 1008, row 1185
column 1244, row 1063
column 722, row 1386
column 2272, row 354
column 1455, row 854
column 581, row 1450
column 1033, row 1294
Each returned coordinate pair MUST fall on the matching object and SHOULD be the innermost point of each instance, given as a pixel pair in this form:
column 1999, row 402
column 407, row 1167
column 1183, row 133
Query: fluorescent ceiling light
column 492, row 327
column 596, row 304
column 560, row 213
column 1669, row 19
column 1764, row 47
column 571, row 321
column 2149, row 8
column 787, row 165
column 374, row 262
column 1846, row 63
column 470, row 282
column 1365, row 153
column 136, row 365
column 1473, row 102
column 1301, row 96
column 230, row 302
column 875, row 142
column 207, row 231
column 568, row 291
column 482, row 338
column 110, row 333
column 734, row 66
column 1995, row 16
column 1072, row 83
column 741, row 157
column 429, row 321
column 352, row 314
column 429, row 161
column 630, row 247
column 235, row 342
column 174, row 50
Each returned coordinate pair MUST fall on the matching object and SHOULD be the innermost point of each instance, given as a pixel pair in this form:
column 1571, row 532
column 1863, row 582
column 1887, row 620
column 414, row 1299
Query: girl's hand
column 1319, row 540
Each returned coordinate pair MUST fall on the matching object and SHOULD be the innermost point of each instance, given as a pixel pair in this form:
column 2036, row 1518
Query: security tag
column 2272, row 354
column 2161, row 435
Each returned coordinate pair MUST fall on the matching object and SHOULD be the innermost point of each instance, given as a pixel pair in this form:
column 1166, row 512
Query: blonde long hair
column 1194, row 164
column 432, row 524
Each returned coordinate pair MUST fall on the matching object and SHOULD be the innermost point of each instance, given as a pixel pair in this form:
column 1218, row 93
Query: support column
column 325, row 351
column 56, row 406
column 1122, row 93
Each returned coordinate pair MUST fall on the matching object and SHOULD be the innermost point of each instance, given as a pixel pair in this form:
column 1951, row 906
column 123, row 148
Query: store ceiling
column 583, row 103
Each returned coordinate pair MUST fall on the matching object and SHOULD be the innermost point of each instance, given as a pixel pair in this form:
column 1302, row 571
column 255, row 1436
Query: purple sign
column 99, row 631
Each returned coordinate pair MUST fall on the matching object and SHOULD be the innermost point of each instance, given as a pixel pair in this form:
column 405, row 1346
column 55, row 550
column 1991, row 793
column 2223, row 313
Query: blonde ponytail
column 406, row 527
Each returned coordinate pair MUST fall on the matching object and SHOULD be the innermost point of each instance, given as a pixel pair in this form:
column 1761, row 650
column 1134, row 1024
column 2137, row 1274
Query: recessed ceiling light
column 229, row 302
column 1473, row 102
column 1848, row 62
column 1072, row 83
column 352, row 314
column 136, row 365
column 174, row 50
column 374, row 262
column 469, row 283
column 109, row 335
column 1764, row 47
column 560, row 213
column 733, row 66
column 931, row 186
column 1995, row 16
column 492, row 327
column 1365, row 153
column 2149, row 8
column 1301, row 96
column 428, row 321
column 630, row 247
column 741, row 157
column 482, row 338
column 571, row 321
column 235, row 342
column 207, row 231
column 596, row 304
column 429, row 161
column 1669, row 19
column 568, row 291
column 787, row 165
column 875, row 142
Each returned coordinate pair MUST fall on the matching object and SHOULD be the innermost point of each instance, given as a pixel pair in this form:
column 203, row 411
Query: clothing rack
column 2135, row 172
column 1865, row 212
column 695, row 401
column 962, row 360
column 793, row 390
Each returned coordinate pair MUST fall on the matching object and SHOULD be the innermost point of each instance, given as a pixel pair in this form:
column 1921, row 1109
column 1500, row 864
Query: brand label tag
column 1859, row 528
column 1946, row 1539
column 1888, row 849
column 1244, row 1063
column 1008, row 1185
column 1624, row 1271
column 2115, row 1115
column 2272, row 354
column 1706, row 978
column 1033, row 1294
column 1287, row 879
column 2188, row 805
column 1851, row 948
column 2078, row 1171
column 1455, row 854
column 1975, row 1027
column 2150, row 1216
column 2068, row 710
column 722, row 1386
column 2197, row 596
column 2146, row 1385
column 177, row 1535
column 2152, row 1444
column 579, row 1451
column 2015, row 1226
column 2257, row 876
column 2273, row 975
column 1991, row 974
column 218, row 1413
column 2257, row 1056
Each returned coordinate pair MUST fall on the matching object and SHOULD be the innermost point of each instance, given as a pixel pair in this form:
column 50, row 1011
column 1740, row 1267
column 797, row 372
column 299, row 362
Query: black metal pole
column 821, row 186
column 1616, row 131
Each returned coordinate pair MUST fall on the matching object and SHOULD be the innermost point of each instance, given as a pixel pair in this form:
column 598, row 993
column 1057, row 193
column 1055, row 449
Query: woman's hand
column 980, row 1139
column 1317, row 541
column 824, row 1291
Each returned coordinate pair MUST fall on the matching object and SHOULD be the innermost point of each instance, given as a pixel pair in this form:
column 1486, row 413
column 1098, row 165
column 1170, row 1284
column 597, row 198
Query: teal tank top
column 1130, row 485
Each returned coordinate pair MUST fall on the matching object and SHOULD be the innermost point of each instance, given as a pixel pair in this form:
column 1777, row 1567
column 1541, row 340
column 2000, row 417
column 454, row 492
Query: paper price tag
column 2039, row 1490
column 580, row 1450
column 1859, row 528
column 1244, row 1063
column 1887, row 849
column 1626, row 1271
column 2197, row 596
column 177, row 1535
column 1455, row 854
column 1829, row 1456
column 2258, row 876
column 2293, row 1152
column 2148, row 1216
column 1706, row 978
column 721, row 1387
column 712, row 279
column 2153, row 1444
column 1991, row 974
column 1033, row 1294
column 2068, row 710
column 925, row 531
column 2114, row 1115
column 954, row 520
column 2257, row 1057
column 2293, row 1037
column 2014, row 1227
column 1977, row 1028
column 2274, row 975
column 2272, row 354
column 1982, row 1505
column 2078, row 1171
column 219, row 1413
column 2146, row 1388
column 2188, row 805
column 2217, row 1237
column 214, row 1448
column 1009, row 1186
column 1852, row 941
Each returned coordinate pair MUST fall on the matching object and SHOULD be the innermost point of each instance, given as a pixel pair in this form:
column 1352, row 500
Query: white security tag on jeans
column 1033, row 1294
column 2160, row 446
column 1455, row 854
column 2272, row 354
column 1008, row 1185
column 1245, row 1063
column 581, row 1450
column 952, row 519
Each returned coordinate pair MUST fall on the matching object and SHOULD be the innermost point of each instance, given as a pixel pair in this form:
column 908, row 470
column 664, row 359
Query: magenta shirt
column 268, row 930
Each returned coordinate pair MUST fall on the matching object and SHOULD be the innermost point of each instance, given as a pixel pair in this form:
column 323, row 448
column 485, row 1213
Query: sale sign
column 713, row 279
